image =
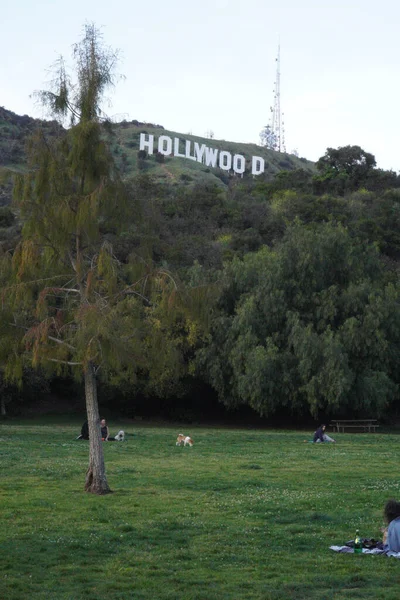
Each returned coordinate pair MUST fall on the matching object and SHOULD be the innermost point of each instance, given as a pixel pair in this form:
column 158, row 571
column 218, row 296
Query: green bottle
column 358, row 545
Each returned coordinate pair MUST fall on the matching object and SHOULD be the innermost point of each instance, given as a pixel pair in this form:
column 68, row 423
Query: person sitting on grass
column 105, row 432
column 321, row 436
column 391, row 534
column 84, row 435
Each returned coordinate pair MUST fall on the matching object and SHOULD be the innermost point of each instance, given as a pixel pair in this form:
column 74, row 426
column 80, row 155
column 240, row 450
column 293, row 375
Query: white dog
column 120, row 436
column 184, row 439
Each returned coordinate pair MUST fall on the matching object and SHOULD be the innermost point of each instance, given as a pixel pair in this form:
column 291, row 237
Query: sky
column 196, row 67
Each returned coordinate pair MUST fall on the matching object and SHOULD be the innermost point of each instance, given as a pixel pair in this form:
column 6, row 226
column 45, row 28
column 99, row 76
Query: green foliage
column 299, row 179
column 65, row 278
column 95, row 65
column 351, row 160
column 349, row 168
column 310, row 326
column 14, row 131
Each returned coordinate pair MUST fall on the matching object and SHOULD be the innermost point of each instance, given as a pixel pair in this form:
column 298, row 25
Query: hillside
column 14, row 131
column 125, row 144
column 124, row 140
column 187, row 212
column 190, row 217
column 303, row 262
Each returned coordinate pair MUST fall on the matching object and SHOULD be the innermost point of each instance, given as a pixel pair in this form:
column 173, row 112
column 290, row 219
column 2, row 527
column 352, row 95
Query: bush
column 286, row 164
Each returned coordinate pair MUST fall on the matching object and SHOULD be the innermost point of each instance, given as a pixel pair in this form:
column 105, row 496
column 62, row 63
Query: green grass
column 244, row 514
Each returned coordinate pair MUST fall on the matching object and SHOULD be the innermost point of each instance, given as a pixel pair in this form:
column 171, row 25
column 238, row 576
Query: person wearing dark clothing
column 105, row 433
column 104, row 430
column 319, row 434
column 84, row 432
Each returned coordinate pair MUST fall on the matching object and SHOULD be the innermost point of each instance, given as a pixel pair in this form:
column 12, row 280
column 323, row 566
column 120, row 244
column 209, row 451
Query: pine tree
column 62, row 268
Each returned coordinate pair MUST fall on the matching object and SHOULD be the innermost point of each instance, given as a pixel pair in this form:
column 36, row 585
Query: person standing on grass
column 391, row 534
column 321, row 436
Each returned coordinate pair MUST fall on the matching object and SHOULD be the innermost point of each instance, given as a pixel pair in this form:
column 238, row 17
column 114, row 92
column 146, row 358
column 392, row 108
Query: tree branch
column 22, row 283
column 61, row 289
column 65, row 362
column 19, row 326
column 62, row 342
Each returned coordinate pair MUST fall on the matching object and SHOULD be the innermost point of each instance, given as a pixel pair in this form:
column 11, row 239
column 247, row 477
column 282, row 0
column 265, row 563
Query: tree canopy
column 347, row 168
column 311, row 326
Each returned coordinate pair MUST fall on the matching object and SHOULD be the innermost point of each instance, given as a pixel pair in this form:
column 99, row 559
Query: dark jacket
column 85, row 431
column 319, row 435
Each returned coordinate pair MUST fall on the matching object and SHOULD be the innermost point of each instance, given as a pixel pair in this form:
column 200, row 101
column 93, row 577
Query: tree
column 352, row 160
column 343, row 169
column 70, row 192
column 308, row 327
column 70, row 300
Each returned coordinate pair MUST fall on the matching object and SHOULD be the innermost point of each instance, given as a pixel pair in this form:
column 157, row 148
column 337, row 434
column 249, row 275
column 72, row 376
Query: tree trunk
column 96, row 481
column 3, row 407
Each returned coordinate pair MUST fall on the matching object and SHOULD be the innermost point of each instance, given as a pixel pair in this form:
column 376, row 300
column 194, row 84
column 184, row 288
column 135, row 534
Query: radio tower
column 273, row 135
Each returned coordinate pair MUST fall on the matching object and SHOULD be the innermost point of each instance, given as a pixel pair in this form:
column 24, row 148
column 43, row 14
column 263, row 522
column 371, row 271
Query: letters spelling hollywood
column 211, row 157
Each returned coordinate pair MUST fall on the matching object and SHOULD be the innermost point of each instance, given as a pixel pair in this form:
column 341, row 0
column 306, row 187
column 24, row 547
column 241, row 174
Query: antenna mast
column 273, row 135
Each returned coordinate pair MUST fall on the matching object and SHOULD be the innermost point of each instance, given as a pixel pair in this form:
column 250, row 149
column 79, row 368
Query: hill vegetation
column 123, row 139
column 175, row 171
column 296, row 273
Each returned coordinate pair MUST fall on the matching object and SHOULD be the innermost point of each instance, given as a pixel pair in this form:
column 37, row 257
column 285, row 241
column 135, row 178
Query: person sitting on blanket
column 321, row 436
column 391, row 534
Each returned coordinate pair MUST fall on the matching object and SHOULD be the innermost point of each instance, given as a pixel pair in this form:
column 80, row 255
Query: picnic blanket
column 369, row 547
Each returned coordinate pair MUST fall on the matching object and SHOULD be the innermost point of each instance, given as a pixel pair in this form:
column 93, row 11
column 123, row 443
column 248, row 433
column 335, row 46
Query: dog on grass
column 184, row 439
column 120, row 436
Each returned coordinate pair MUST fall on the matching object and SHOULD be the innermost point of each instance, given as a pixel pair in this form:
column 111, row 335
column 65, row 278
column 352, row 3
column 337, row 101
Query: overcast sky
column 210, row 65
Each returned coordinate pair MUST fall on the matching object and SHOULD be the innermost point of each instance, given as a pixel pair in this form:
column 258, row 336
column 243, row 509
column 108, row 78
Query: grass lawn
column 244, row 514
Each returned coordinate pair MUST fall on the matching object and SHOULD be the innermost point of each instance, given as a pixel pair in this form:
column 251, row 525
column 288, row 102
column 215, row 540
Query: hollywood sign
column 211, row 157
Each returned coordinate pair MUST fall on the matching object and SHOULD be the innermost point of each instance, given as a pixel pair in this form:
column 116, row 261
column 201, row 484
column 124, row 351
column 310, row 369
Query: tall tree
column 81, row 318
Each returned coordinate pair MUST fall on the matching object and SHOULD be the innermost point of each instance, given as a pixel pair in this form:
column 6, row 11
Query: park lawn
column 243, row 514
